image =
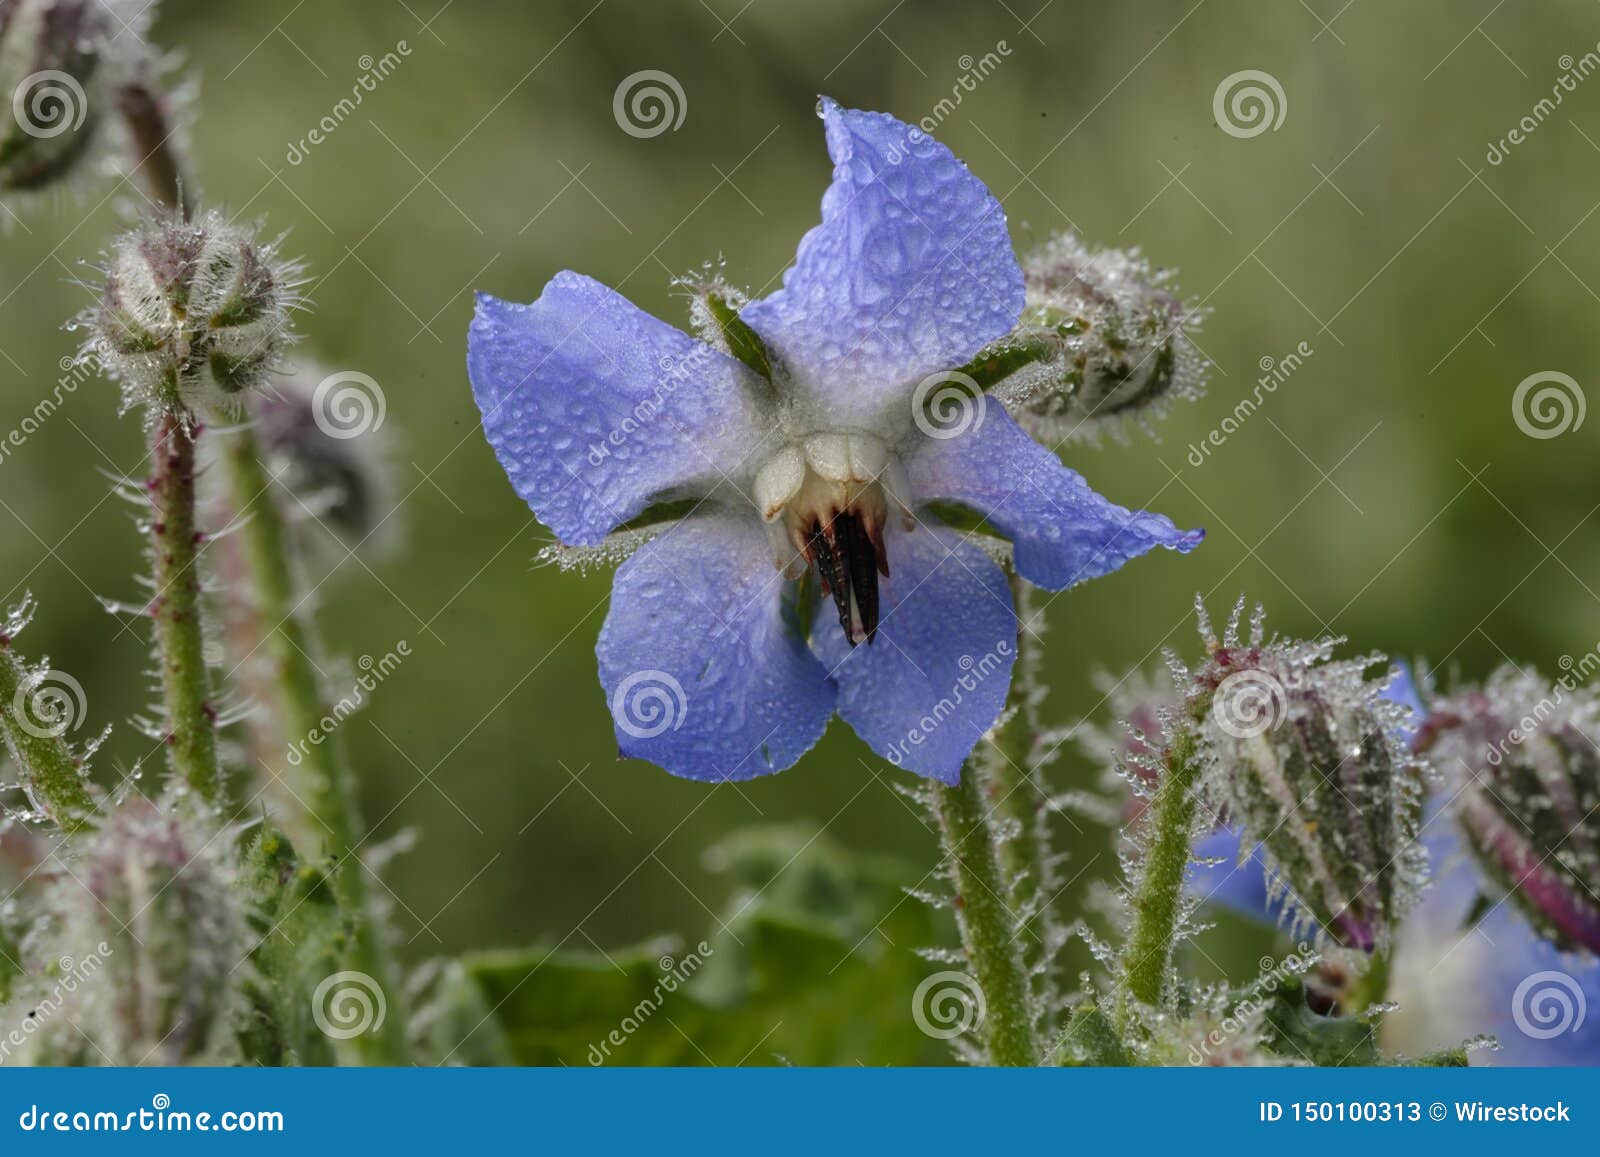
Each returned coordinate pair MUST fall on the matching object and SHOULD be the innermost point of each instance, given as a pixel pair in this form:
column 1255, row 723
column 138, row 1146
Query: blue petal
column 704, row 671
column 910, row 272
column 1063, row 531
column 1240, row 888
column 935, row 679
column 595, row 408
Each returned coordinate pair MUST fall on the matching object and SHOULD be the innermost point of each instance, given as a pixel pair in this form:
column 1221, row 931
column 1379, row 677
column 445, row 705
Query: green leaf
column 812, row 963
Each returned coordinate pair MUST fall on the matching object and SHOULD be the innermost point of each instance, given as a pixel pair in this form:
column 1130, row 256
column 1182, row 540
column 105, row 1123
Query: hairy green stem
column 191, row 718
column 321, row 788
column 52, row 774
column 1148, row 957
column 988, row 930
column 1011, row 783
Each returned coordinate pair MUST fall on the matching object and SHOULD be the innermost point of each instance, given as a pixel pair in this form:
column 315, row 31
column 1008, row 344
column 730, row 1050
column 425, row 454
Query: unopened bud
column 1119, row 336
column 193, row 313
column 155, row 889
column 58, row 59
column 335, row 480
column 1524, row 770
column 1306, row 755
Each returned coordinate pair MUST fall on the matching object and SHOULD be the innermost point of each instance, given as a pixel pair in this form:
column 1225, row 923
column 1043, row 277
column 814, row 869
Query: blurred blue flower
column 714, row 668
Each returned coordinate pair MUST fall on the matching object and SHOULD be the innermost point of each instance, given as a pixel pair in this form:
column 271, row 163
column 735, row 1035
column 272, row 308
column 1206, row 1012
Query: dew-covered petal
column 595, row 408
column 935, row 677
column 704, row 667
column 911, row 272
column 1064, row 533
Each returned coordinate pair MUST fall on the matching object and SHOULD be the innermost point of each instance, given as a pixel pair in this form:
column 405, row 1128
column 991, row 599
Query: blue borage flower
column 598, row 411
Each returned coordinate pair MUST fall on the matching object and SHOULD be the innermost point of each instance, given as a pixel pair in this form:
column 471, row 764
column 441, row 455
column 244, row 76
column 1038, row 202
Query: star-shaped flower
column 806, row 446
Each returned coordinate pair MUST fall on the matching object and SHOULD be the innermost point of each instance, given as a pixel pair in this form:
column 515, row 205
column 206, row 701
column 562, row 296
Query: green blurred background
column 1383, row 492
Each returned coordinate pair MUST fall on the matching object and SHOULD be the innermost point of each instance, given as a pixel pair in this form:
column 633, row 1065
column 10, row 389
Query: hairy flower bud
column 1120, row 338
column 1306, row 756
column 193, row 313
column 1525, row 786
column 335, row 479
column 155, row 891
column 60, row 64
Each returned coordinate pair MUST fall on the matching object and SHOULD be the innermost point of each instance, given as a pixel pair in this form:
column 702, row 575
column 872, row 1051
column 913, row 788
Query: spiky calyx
column 1304, row 753
column 59, row 60
column 1119, row 342
column 153, row 902
column 193, row 313
column 1524, row 772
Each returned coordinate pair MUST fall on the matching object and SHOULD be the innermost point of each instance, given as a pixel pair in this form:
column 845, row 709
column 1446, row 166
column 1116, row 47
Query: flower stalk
column 1158, row 899
column 983, row 914
column 191, row 717
column 324, row 789
column 150, row 134
column 1011, row 782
